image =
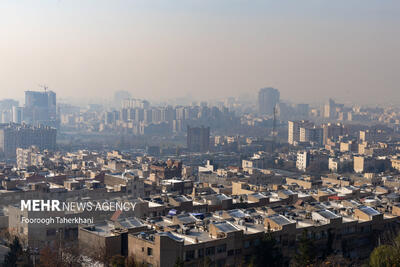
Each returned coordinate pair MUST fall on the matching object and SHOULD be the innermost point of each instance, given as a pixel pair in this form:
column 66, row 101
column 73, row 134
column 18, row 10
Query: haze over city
column 214, row 133
column 309, row 50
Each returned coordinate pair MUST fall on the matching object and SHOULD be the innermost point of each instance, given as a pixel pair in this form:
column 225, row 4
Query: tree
column 5, row 235
column 71, row 256
column 48, row 257
column 306, row 254
column 26, row 258
column 117, row 261
column 13, row 255
column 179, row 263
column 267, row 253
column 336, row 261
column 207, row 262
column 99, row 254
column 387, row 254
column 384, row 256
column 328, row 251
column 130, row 261
column 317, row 167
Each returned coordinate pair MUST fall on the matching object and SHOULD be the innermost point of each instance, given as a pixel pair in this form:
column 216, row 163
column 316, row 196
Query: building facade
column 198, row 139
column 268, row 98
column 13, row 136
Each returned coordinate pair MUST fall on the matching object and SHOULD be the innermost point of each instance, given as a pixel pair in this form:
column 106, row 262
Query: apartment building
column 29, row 157
column 230, row 238
column 303, row 160
column 294, row 130
column 13, row 136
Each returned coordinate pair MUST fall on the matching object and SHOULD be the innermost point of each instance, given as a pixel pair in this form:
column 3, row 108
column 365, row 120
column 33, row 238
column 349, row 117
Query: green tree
column 10, row 260
column 179, row 263
column 306, row 252
column 384, row 256
column 387, row 254
column 207, row 262
column 336, row 261
column 267, row 253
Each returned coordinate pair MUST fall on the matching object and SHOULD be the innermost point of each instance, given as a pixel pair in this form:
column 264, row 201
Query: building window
column 221, row 248
column 317, row 235
column 247, row 258
column 210, row 251
column 50, row 232
column 238, row 251
column 189, row 255
column 149, row 251
column 246, row 244
column 231, row 252
column 220, row 263
column 324, row 234
column 200, row 253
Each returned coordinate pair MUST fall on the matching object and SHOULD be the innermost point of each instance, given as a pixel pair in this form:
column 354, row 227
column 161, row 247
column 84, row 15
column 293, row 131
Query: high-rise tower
column 267, row 100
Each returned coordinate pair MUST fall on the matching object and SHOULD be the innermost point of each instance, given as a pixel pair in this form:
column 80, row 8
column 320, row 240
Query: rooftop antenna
column 274, row 133
column 44, row 86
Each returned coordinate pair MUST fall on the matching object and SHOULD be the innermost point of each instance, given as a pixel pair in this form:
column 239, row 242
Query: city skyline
column 229, row 48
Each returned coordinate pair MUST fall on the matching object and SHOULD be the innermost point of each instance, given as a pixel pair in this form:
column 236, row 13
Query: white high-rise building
column 294, row 130
column 303, row 160
column 17, row 114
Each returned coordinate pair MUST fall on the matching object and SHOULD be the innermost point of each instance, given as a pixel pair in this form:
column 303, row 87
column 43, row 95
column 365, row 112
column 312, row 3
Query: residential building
column 40, row 108
column 198, row 139
column 13, row 136
column 294, row 130
column 268, row 98
column 303, row 160
column 29, row 157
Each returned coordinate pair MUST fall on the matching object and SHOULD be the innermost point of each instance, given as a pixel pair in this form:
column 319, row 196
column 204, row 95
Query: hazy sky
column 346, row 49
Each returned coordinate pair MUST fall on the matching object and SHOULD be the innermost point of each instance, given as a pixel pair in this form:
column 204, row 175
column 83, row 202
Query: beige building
column 305, row 182
column 233, row 242
column 223, row 245
column 303, row 160
column 108, row 238
column 396, row 164
column 360, row 164
column 128, row 182
column 29, row 157
column 38, row 235
column 294, row 130
column 334, row 179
